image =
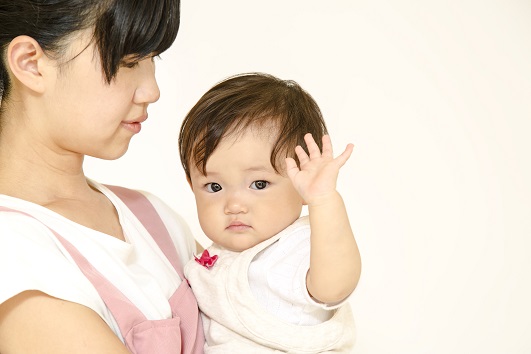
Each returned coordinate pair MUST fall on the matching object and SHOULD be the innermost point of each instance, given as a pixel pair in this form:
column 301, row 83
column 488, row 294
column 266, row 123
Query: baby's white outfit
column 241, row 315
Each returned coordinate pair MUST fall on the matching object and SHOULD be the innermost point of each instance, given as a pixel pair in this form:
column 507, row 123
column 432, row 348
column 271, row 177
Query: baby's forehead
column 245, row 153
column 247, row 147
column 266, row 129
column 266, row 132
column 236, row 168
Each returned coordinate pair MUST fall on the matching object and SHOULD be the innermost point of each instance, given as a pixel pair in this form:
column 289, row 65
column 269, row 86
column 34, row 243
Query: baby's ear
column 25, row 58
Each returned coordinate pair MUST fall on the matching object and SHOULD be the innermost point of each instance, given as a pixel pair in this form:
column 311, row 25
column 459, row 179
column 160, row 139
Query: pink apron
column 183, row 333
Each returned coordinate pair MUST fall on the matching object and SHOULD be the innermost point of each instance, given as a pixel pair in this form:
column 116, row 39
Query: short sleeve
column 30, row 259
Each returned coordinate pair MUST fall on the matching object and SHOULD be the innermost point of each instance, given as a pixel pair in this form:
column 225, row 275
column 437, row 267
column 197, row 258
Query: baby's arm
column 335, row 262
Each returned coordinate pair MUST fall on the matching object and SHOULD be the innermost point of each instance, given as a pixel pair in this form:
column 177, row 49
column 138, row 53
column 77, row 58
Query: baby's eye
column 213, row 187
column 259, row 185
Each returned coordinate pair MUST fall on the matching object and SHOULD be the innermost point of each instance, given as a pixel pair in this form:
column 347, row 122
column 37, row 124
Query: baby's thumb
column 345, row 155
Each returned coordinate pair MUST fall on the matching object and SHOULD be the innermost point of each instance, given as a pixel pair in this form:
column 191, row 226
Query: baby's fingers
column 291, row 168
column 301, row 154
column 327, row 146
column 312, row 146
column 345, row 155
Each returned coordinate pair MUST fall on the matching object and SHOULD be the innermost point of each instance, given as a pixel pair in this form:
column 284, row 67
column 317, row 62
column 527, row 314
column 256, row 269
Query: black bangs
column 135, row 29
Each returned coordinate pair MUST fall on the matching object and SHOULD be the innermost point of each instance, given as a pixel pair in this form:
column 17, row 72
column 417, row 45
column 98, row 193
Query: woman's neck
column 37, row 173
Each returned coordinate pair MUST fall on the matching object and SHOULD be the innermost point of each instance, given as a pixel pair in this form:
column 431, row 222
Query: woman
column 76, row 78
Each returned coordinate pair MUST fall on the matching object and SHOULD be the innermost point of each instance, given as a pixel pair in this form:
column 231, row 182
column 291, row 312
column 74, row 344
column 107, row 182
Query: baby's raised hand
column 316, row 179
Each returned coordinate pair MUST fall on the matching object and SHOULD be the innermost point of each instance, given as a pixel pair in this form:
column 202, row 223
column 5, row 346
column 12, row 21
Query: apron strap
column 142, row 208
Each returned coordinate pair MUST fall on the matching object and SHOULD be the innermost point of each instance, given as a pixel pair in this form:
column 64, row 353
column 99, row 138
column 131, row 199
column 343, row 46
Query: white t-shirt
column 31, row 258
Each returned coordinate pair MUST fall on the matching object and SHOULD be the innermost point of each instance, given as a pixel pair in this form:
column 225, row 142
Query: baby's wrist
column 325, row 199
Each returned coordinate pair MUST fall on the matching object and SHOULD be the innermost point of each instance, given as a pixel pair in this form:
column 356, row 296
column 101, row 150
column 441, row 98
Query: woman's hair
column 121, row 28
column 254, row 101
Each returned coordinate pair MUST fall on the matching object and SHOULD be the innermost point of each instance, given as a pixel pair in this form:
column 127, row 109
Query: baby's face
column 242, row 201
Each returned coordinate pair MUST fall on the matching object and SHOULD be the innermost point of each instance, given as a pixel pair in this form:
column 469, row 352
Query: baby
column 255, row 149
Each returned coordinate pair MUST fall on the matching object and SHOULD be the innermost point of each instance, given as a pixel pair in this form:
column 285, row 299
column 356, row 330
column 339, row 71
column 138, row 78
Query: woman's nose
column 148, row 89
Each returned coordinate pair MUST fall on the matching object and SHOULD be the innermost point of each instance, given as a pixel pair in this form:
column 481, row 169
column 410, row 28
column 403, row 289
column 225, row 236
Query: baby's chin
column 241, row 245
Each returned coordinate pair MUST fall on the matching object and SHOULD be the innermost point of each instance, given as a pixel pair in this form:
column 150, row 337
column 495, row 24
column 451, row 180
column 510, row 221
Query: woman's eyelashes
column 214, row 187
column 132, row 62
column 130, row 65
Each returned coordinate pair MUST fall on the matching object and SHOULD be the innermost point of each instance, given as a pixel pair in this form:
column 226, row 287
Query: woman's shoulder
column 20, row 225
column 30, row 259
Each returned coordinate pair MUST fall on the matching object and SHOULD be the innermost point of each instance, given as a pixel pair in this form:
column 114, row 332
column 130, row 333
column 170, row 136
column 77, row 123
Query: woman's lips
column 136, row 125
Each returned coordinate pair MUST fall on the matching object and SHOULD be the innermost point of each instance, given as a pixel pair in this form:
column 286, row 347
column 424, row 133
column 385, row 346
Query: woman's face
column 83, row 114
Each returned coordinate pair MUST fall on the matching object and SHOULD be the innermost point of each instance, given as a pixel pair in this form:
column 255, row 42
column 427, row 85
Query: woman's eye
column 259, row 185
column 130, row 64
column 213, row 187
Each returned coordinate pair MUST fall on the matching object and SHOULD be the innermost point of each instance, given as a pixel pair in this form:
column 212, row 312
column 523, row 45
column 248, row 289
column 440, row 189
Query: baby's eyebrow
column 256, row 168
column 260, row 168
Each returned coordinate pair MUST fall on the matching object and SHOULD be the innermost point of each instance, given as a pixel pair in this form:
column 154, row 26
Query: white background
column 436, row 96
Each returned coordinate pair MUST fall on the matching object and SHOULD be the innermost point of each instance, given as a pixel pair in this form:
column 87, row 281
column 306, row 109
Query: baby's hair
column 122, row 29
column 251, row 100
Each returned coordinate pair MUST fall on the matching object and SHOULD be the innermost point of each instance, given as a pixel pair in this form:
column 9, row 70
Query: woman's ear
column 24, row 54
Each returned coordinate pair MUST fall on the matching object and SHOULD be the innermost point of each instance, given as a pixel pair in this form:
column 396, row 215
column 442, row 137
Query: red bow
column 206, row 260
